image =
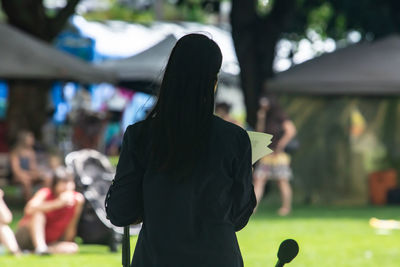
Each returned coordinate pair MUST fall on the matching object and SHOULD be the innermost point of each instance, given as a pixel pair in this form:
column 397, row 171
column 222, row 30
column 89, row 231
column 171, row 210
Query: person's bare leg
column 259, row 181
column 26, row 187
column 286, row 196
column 37, row 231
column 63, row 247
column 8, row 239
column 259, row 185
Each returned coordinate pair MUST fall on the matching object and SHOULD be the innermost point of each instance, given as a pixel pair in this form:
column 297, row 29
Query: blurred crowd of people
column 52, row 205
column 51, row 214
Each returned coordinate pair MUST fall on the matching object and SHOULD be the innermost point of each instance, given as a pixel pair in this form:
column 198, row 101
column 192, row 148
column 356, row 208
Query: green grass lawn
column 327, row 236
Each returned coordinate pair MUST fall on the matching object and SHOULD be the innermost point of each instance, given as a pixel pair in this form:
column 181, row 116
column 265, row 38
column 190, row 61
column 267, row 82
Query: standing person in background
column 24, row 167
column 51, row 217
column 7, row 237
column 272, row 119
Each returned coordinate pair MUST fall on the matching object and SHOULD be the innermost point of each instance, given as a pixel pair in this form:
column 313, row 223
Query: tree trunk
column 27, row 102
column 31, row 17
column 255, row 50
column 255, row 38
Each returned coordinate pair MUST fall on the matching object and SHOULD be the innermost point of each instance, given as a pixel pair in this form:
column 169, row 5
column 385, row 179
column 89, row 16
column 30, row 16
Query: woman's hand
column 67, row 198
column 264, row 104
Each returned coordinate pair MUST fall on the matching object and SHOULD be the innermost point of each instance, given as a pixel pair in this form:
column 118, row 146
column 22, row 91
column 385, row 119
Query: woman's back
column 193, row 222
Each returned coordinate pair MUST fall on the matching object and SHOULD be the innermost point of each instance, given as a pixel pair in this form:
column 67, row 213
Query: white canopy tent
column 118, row 39
column 149, row 65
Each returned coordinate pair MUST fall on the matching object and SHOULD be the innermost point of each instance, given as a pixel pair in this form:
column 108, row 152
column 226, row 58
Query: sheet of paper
column 259, row 145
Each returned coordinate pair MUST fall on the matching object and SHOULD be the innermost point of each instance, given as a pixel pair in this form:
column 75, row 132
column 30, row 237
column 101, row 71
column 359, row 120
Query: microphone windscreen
column 288, row 251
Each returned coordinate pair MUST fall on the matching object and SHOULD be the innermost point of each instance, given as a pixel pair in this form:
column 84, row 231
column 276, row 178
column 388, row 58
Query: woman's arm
column 261, row 117
column 38, row 203
column 126, row 188
column 289, row 132
column 244, row 199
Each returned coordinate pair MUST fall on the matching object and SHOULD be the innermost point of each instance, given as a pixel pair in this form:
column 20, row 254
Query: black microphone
column 287, row 252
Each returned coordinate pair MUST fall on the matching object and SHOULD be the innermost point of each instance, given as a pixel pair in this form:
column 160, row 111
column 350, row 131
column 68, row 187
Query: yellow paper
column 259, row 145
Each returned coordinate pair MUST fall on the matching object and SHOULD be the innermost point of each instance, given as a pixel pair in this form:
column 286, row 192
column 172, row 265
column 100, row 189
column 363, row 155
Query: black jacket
column 191, row 223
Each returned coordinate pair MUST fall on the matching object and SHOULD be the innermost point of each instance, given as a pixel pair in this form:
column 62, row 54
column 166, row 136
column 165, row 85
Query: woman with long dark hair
column 183, row 172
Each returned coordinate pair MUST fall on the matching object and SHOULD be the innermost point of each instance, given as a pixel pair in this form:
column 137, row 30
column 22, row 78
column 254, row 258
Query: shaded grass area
column 328, row 236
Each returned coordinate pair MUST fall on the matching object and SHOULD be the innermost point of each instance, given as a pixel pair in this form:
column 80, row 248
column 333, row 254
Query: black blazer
column 191, row 223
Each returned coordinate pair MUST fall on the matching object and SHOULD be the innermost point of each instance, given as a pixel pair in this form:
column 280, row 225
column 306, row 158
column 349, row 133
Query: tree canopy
column 32, row 17
column 257, row 26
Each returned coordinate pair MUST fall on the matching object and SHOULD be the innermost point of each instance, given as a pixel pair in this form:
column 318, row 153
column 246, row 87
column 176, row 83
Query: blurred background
column 75, row 73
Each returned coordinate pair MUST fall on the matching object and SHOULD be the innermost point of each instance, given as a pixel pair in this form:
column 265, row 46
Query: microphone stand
column 126, row 248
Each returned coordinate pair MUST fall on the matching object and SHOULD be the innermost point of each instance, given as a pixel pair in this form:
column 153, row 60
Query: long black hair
column 181, row 120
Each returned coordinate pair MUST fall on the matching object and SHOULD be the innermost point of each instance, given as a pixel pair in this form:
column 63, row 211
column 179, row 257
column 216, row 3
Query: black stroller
column 93, row 175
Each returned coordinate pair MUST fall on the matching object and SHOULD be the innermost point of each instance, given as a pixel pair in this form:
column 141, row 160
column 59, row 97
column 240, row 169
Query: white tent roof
column 149, row 65
column 120, row 39
column 24, row 57
column 368, row 68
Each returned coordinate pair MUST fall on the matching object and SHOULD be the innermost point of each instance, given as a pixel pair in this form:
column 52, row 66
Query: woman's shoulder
column 133, row 130
column 231, row 135
column 229, row 128
column 137, row 126
column 138, row 132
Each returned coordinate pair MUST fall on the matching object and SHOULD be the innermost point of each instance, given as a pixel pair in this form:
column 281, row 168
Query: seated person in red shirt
column 51, row 216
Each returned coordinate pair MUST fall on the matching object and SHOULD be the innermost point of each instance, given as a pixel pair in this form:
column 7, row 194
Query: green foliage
column 264, row 6
column 332, row 18
column 118, row 12
column 188, row 11
column 340, row 27
column 2, row 15
column 367, row 16
column 319, row 17
column 336, row 18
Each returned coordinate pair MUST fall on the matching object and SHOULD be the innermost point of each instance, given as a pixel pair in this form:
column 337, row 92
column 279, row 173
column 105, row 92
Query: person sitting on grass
column 24, row 165
column 51, row 216
column 7, row 237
